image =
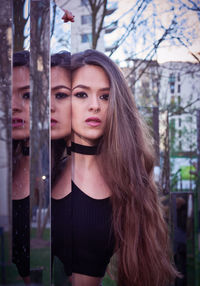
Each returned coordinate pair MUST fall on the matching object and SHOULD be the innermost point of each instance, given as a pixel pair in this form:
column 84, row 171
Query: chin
column 58, row 135
column 93, row 137
column 18, row 136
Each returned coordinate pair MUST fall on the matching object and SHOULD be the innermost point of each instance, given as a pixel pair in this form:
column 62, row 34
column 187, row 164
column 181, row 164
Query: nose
column 16, row 103
column 53, row 104
column 94, row 104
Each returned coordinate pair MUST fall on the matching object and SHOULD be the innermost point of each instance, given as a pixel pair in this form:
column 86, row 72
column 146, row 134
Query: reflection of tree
column 39, row 75
column 19, row 24
column 60, row 33
column 5, row 108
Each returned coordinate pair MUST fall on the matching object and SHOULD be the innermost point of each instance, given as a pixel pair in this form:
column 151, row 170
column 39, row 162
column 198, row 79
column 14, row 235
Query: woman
column 60, row 138
column 113, row 191
column 20, row 178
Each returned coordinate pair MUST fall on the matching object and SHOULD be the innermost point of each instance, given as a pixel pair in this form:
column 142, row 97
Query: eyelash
column 26, row 95
column 105, row 96
column 61, row 95
column 80, row 94
column 84, row 95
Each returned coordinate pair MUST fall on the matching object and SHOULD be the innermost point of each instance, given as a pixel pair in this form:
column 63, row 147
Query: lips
column 17, row 122
column 53, row 122
column 93, row 121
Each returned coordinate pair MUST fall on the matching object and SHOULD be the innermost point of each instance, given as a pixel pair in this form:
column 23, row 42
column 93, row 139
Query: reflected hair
column 20, row 59
column 63, row 60
column 126, row 159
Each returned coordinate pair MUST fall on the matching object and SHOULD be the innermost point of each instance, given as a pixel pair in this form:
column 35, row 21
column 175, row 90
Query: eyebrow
column 60, row 87
column 25, row 87
column 87, row 87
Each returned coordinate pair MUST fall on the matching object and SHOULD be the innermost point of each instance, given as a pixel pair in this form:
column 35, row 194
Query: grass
column 40, row 257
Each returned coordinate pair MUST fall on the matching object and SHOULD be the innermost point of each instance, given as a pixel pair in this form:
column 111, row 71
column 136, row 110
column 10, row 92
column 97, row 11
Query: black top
column 61, row 231
column 21, row 236
column 82, row 234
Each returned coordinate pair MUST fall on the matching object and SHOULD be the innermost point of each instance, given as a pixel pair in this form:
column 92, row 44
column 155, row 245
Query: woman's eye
column 104, row 96
column 26, row 95
column 80, row 94
column 61, row 95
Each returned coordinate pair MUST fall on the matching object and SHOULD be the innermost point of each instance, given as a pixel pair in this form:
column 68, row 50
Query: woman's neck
column 76, row 138
column 84, row 161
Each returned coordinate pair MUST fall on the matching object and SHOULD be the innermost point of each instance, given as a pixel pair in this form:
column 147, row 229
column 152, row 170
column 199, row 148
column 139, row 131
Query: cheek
column 76, row 110
column 27, row 110
column 105, row 109
column 65, row 111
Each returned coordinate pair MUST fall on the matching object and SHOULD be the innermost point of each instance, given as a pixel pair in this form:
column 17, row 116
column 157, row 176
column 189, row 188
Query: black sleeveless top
column 21, row 235
column 82, row 234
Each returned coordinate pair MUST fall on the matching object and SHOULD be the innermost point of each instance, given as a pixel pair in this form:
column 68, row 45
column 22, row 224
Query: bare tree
column 19, row 25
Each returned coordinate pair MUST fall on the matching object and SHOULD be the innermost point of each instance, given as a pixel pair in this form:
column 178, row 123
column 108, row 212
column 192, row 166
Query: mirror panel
column 40, row 260
column 5, row 138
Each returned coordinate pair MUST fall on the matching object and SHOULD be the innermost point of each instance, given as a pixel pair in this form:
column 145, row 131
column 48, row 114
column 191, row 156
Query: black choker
column 82, row 149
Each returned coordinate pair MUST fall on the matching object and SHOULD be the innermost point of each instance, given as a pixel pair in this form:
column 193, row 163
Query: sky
column 188, row 27
column 147, row 29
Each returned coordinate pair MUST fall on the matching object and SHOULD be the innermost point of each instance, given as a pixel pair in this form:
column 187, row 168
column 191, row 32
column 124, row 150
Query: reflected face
column 90, row 93
column 60, row 103
column 20, row 103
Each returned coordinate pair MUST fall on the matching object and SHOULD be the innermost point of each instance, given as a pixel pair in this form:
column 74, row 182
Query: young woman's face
column 60, row 103
column 90, row 92
column 20, row 103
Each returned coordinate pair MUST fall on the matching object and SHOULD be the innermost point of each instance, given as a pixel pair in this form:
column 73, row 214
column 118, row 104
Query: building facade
column 81, row 29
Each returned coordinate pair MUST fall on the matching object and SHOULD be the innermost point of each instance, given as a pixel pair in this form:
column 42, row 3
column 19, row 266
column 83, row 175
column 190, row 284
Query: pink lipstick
column 53, row 122
column 93, row 121
column 17, row 122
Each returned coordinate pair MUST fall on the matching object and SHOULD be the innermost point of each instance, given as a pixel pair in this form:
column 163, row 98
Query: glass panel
column 20, row 150
column 182, row 210
column 39, row 142
column 5, row 140
column 60, row 139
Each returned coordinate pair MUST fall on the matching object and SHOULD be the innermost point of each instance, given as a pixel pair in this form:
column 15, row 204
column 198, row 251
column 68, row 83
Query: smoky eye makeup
column 81, row 94
column 61, row 95
column 105, row 96
column 26, row 95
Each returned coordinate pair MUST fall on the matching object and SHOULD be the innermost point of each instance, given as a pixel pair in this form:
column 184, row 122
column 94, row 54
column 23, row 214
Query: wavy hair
column 20, row 59
column 63, row 60
column 127, row 161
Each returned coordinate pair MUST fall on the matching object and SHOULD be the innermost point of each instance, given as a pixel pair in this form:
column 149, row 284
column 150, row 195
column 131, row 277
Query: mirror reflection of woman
column 114, row 198
column 20, row 182
column 60, row 138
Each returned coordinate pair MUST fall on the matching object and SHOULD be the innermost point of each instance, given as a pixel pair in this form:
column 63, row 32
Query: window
column 84, row 2
column 179, row 88
column 179, row 122
column 172, row 82
column 179, row 133
column 172, row 78
column 172, row 99
column 179, row 77
column 86, row 38
column 86, row 19
column 180, row 145
column 172, row 129
column 179, row 100
column 172, row 87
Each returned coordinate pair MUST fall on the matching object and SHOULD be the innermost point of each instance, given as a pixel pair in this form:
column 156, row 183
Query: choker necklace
column 82, row 149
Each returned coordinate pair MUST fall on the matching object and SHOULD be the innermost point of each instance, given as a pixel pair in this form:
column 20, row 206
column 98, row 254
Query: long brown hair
column 127, row 162
column 58, row 146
